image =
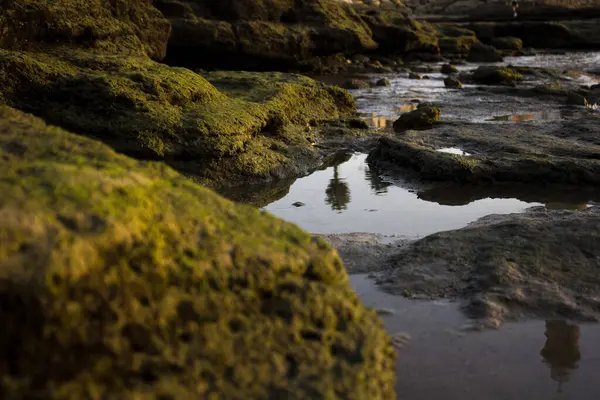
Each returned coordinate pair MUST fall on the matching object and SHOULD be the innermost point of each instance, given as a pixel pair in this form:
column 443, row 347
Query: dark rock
column 484, row 53
column 356, row 84
column 383, row 82
column 422, row 69
column 262, row 34
column 491, row 265
column 413, row 75
column 496, row 76
column 449, row 69
column 298, row 204
column 452, row 83
column 576, row 99
column 424, row 117
column 395, row 32
column 508, row 43
column 565, row 34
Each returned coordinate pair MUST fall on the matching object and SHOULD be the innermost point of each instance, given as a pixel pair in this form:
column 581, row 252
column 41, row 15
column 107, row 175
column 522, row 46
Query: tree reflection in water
column 561, row 350
column 377, row 183
column 337, row 192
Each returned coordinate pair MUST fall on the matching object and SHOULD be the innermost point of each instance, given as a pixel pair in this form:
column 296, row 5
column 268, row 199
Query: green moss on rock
column 115, row 26
column 496, row 76
column 508, row 43
column 262, row 35
column 424, row 117
column 150, row 110
column 123, row 279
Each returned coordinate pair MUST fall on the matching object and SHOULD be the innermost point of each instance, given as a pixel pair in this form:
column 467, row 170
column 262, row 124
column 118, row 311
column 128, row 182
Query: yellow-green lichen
column 116, row 26
column 151, row 110
column 123, row 279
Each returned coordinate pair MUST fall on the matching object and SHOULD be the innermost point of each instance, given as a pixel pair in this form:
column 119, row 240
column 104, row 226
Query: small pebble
column 298, row 204
column 385, row 311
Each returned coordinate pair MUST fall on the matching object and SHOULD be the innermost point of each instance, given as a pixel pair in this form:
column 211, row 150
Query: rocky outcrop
column 480, row 52
column 496, row 76
column 424, row 117
column 542, row 263
column 123, row 279
column 134, row 27
column 249, row 125
column 543, row 34
column 448, row 69
column 567, row 153
column 261, row 35
column 452, row 82
column 395, row 32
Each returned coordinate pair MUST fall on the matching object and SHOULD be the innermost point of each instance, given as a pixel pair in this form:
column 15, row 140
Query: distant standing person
column 515, row 7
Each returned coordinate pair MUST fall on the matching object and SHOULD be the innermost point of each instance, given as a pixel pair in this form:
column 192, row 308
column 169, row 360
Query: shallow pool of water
column 533, row 360
column 353, row 197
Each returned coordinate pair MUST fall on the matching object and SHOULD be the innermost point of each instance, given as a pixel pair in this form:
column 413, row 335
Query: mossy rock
column 383, row 82
column 115, row 26
column 354, row 84
column 395, row 32
column 123, row 279
column 508, row 43
column 262, row 35
column 251, row 128
column 414, row 75
column 452, row 83
column 449, row 69
column 424, row 117
column 486, row 75
column 454, row 40
column 480, row 52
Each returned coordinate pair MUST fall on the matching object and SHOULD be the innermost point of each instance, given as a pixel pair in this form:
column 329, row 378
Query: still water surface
column 532, row 360
column 354, row 197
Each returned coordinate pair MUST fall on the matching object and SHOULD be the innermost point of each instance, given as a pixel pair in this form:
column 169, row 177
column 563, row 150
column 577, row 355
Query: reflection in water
column 337, row 192
column 552, row 115
column 404, row 108
column 561, row 350
column 378, row 184
column 377, row 205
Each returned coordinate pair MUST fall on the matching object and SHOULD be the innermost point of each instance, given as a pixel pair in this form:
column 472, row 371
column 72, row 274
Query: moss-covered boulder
column 424, row 117
column 395, row 32
column 122, row 279
column 455, row 41
column 452, row 82
column 480, row 52
column 383, row 83
column 354, row 84
column 508, row 43
column 261, row 35
column 486, row 75
column 115, row 26
column 252, row 126
column 449, row 69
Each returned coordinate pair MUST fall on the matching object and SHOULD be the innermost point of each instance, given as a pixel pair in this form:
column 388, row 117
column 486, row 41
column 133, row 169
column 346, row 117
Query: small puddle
column 352, row 196
column 533, row 360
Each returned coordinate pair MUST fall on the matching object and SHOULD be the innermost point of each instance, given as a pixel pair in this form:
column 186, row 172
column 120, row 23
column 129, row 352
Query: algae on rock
column 115, row 26
column 150, row 110
column 262, row 35
column 123, row 279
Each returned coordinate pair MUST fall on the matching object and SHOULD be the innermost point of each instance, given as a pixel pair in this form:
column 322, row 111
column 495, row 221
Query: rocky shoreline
column 124, row 276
